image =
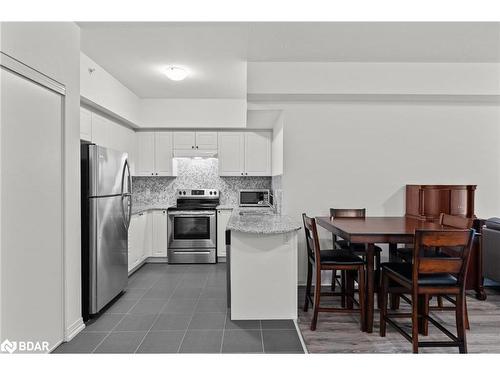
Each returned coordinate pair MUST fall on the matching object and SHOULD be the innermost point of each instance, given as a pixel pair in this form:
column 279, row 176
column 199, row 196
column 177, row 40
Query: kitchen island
column 262, row 265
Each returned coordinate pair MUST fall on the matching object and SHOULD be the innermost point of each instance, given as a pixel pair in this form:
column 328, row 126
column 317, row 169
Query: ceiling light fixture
column 176, row 73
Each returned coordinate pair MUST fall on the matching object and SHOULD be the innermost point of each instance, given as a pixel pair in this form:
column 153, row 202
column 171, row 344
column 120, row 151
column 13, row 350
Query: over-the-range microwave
column 255, row 198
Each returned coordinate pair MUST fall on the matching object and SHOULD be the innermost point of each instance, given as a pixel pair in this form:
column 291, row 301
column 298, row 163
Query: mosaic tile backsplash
column 196, row 174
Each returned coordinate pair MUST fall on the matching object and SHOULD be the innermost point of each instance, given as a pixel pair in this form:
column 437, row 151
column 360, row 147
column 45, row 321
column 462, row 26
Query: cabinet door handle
column 192, row 146
column 242, row 173
column 197, row 147
column 152, row 174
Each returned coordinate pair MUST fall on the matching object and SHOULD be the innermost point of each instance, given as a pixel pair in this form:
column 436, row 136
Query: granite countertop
column 264, row 223
column 140, row 208
column 225, row 207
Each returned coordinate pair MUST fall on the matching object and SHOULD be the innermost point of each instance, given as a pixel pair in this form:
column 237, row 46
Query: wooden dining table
column 372, row 230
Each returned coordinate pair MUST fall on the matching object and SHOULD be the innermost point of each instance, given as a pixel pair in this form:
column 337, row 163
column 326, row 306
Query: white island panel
column 263, row 276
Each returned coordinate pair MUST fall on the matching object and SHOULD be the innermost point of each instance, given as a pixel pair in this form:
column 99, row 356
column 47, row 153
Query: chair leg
column 424, row 309
column 440, row 301
column 466, row 313
column 414, row 321
column 334, row 279
column 395, row 300
column 308, row 285
column 343, row 287
column 383, row 303
column 362, row 297
column 460, row 317
column 317, row 295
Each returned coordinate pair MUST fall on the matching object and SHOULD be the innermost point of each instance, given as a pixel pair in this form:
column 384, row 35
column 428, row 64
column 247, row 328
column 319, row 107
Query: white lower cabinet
column 147, row 237
column 160, row 240
column 222, row 220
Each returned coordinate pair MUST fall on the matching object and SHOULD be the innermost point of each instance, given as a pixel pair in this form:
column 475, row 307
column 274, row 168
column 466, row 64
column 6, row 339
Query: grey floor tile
column 161, row 342
column 160, row 293
column 121, row 306
column 213, row 292
column 278, row 324
column 212, row 305
column 148, row 306
column 242, row 324
column 202, row 342
column 180, row 305
column 141, row 322
column 281, row 341
column 169, row 322
column 134, row 293
column 104, row 323
column 121, row 342
column 242, row 341
column 208, row 321
column 142, row 282
column 188, row 292
column 84, row 342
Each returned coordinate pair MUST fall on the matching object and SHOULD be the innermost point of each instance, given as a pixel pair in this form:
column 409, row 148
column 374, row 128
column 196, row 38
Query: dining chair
column 327, row 260
column 428, row 276
column 459, row 222
column 357, row 248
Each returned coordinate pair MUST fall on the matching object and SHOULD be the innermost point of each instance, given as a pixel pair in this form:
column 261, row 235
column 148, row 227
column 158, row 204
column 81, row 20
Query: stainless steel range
column 192, row 227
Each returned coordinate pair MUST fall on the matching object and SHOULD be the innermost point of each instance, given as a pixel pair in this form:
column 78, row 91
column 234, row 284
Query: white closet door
column 31, row 211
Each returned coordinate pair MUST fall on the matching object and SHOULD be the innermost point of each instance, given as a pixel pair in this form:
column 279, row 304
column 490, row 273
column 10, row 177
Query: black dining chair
column 328, row 260
column 429, row 276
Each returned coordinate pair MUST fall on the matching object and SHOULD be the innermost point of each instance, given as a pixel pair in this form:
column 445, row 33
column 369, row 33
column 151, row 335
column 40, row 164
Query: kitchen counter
column 261, row 223
column 262, row 250
column 140, row 208
column 225, row 207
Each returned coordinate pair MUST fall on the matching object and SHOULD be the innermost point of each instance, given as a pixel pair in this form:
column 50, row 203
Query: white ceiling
column 216, row 53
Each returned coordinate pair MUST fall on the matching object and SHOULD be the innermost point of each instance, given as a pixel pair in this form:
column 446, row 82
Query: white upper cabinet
column 154, row 154
column 85, row 125
column 195, row 140
column 231, row 153
column 184, row 140
column 145, row 165
column 245, row 153
column 206, row 140
column 163, row 154
column 258, row 153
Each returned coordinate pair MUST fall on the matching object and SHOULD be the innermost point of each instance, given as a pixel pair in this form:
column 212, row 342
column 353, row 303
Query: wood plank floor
column 340, row 333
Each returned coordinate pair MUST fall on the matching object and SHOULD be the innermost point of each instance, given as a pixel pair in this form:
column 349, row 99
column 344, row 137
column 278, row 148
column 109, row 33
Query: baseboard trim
column 156, row 260
column 74, row 329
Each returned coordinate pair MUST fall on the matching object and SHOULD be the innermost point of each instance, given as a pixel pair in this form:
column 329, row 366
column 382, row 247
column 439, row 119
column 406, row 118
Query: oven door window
column 191, row 228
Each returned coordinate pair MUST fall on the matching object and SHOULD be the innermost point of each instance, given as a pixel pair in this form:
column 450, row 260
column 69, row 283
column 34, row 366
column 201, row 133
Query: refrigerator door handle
column 128, row 194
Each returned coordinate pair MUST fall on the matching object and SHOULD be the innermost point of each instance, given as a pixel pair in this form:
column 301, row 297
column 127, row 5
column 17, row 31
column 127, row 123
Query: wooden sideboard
column 426, row 202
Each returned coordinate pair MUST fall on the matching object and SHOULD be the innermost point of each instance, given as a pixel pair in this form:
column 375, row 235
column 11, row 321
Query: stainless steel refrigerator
column 106, row 212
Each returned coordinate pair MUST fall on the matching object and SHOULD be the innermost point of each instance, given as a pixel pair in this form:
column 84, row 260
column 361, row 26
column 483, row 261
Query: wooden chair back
column 460, row 240
column 347, row 212
column 312, row 238
column 454, row 221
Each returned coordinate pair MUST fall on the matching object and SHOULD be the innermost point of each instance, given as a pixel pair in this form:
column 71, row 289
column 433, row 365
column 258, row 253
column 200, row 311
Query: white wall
column 101, row 88
column 362, row 155
column 194, row 113
column 274, row 78
column 53, row 48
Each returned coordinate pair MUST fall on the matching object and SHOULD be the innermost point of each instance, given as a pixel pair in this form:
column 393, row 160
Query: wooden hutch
column 426, row 202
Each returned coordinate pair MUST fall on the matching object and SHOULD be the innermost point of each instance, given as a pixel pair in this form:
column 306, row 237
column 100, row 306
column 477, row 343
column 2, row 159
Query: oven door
column 191, row 229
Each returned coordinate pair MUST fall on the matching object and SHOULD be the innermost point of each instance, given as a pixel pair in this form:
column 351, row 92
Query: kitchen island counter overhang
column 262, row 265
